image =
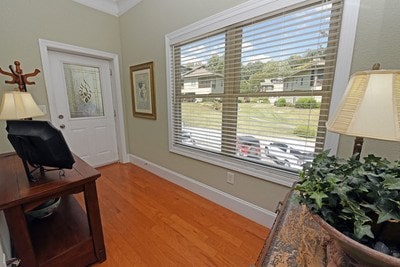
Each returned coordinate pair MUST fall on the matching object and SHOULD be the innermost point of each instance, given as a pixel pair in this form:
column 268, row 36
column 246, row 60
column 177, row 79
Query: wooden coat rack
column 18, row 76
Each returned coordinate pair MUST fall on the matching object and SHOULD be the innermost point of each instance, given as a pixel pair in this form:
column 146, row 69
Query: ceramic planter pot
column 364, row 255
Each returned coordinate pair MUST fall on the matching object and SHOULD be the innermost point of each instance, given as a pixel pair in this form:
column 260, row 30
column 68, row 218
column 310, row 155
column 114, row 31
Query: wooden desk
column 72, row 236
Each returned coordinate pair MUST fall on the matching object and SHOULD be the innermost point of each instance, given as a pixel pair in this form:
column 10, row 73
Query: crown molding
column 113, row 7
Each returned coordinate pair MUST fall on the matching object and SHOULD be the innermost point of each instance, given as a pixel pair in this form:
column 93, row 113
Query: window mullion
column 330, row 62
column 233, row 45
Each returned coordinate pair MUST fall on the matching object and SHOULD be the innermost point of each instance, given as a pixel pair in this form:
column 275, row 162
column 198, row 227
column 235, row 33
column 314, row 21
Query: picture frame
column 143, row 91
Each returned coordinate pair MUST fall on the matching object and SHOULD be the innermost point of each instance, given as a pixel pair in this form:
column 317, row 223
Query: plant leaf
column 362, row 230
column 387, row 215
column 318, row 196
column 392, row 183
column 371, row 206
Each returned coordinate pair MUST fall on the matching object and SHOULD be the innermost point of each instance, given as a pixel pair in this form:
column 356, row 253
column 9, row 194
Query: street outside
column 209, row 139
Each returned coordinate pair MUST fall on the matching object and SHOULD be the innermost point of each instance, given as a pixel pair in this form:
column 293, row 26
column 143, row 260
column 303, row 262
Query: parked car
column 248, row 146
column 187, row 138
column 285, row 155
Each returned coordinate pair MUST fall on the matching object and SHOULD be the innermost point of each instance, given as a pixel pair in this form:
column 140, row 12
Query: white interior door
column 84, row 106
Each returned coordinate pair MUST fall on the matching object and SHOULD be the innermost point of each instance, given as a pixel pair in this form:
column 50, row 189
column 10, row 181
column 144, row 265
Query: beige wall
column 23, row 22
column 138, row 36
column 377, row 41
column 143, row 30
column 142, row 35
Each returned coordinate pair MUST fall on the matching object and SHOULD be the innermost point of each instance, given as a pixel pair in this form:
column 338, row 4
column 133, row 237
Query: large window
column 256, row 93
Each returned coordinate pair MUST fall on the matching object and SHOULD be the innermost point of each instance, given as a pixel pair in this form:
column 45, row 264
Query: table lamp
column 370, row 107
column 17, row 105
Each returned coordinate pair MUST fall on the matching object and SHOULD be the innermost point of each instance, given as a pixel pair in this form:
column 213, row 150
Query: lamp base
column 358, row 143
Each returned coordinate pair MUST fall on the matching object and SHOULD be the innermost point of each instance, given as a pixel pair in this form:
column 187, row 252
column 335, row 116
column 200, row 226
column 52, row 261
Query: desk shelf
column 64, row 232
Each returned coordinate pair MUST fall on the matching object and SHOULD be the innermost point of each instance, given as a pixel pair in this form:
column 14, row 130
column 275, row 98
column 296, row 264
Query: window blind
column 258, row 91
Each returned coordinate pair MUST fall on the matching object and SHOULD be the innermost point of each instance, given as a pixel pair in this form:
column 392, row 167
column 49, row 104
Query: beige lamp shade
column 17, row 105
column 370, row 106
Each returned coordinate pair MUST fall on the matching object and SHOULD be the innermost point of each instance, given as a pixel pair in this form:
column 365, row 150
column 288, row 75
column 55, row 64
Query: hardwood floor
column 148, row 221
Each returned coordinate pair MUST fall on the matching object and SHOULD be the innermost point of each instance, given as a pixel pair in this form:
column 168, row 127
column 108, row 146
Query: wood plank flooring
column 148, row 221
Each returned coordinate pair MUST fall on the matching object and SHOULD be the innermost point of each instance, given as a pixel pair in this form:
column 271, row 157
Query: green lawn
column 252, row 118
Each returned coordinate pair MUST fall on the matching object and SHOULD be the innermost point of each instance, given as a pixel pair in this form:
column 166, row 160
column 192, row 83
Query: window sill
column 264, row 172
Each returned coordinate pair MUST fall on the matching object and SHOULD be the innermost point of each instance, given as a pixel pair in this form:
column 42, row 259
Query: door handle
column 62, row 126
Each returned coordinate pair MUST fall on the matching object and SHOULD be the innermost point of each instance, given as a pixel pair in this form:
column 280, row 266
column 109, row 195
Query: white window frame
column 242, row 12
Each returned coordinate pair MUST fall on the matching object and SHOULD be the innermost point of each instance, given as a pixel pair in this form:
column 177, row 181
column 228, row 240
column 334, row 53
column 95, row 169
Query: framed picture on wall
column 143, row 93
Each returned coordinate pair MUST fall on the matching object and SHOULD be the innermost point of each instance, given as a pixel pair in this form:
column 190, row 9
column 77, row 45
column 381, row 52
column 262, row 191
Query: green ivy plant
column 357, row 198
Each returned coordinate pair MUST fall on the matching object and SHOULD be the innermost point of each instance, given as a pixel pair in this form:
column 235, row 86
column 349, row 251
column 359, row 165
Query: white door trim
column 46, row 46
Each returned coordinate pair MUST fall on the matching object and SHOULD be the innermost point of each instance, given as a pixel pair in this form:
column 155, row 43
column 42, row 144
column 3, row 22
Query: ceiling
column 113, row 7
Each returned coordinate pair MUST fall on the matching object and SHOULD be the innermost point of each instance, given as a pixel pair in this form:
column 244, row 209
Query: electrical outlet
column 230, row 177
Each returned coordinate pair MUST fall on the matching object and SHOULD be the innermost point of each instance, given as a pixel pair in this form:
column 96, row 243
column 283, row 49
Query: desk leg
column 93, row 213
column 20, row 237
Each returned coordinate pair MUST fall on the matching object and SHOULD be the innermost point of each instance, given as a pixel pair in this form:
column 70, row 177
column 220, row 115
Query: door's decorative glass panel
column 84, row 91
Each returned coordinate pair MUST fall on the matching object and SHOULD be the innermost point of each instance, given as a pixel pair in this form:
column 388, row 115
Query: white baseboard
column 5, row 241
column 253, row 212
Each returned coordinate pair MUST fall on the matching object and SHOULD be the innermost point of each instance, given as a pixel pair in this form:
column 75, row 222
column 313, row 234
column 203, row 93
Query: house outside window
column 265, row 85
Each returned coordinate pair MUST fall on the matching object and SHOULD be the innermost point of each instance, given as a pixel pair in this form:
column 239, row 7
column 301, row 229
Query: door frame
column 46, row 46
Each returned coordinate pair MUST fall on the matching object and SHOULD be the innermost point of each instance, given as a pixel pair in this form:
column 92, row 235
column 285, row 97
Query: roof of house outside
column 201, row 71
column 307, row 67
